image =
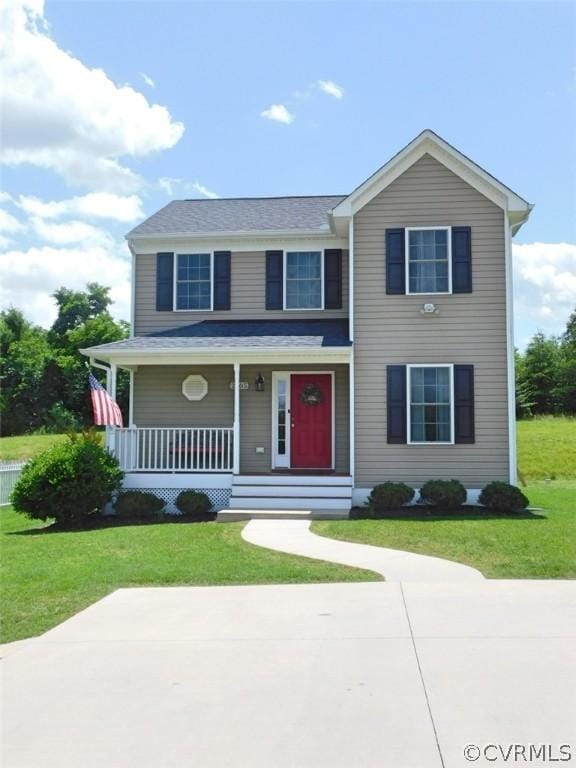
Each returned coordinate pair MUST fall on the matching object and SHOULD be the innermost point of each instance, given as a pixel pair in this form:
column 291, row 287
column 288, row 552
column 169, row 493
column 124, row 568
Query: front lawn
column 501, row 548
column 46, row 577
column 547, row 448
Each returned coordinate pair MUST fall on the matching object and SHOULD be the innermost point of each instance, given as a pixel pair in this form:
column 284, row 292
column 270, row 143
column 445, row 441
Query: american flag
column 106, row 411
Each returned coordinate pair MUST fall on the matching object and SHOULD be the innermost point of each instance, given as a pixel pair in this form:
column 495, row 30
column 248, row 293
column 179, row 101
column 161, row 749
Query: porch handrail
column 174, row 449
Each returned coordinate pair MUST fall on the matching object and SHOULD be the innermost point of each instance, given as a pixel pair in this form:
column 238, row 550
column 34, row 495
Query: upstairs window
column 430, row 404
column 428, row 260
column 303, row 282
column 193, row 283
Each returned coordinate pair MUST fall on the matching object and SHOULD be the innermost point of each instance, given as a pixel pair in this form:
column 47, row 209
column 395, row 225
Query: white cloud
column 71, row 232
column 544, row 284
column 31, row 276
column 9, row 223
column 62, row 115
column 202, row 190
column 147, row 79
column 177, row 187
column 101, row 205
column 279, row 113
column 331, row 88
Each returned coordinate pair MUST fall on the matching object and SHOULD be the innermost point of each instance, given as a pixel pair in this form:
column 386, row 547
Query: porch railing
column 174, row 449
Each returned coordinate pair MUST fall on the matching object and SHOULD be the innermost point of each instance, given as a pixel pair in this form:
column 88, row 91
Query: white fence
column 174, row 449
column 9, row 474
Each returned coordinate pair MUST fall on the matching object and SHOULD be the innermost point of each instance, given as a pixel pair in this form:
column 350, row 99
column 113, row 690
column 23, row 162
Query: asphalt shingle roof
column 241, row 334
column 240, row 215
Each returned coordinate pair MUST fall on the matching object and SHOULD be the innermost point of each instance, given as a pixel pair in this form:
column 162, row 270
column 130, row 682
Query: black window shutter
column 333, row 278
column 396, row 403
column 395, row 261
column 274, row 279
column 464, row 403
column 461, row 260
column 164, row 282
column 222, row 279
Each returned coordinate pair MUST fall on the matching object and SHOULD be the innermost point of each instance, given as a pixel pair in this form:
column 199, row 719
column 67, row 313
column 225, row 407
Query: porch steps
column 236, row 515
column 296, row 495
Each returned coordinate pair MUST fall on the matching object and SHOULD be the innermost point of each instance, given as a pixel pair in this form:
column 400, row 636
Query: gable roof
column 241, row 215
column 329, row 214
column 429, row 143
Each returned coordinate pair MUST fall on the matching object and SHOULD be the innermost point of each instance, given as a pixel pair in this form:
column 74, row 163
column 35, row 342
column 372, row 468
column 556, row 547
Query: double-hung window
column 428, row 260
column 193, row 283
column 430, row 398
column 303, row 280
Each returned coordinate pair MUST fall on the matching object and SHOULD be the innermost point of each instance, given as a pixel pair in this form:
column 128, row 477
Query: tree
column 76, row 307
column 540, row 368
column 566, row 377
column 25, row 355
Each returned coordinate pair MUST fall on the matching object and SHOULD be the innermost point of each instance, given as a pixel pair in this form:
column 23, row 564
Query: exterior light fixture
column 259, row 383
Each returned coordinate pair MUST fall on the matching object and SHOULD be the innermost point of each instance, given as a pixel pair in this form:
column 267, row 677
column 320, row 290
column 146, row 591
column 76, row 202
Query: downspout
column 511, row 377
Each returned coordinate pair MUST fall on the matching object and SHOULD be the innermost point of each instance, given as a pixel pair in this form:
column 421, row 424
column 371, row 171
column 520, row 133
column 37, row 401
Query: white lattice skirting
column 220, row 497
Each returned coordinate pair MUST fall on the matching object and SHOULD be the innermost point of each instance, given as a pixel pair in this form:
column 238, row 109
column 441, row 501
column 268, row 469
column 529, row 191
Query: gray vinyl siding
column 470, row 328
column 158, row 402
column 248, row 295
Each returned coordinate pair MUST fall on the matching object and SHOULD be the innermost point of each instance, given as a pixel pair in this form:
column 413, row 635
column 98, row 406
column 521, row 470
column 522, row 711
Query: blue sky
column 497, row 80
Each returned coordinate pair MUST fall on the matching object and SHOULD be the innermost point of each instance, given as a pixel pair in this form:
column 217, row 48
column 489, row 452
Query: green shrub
column 193, row 503
column 388, row 496
column 69, row 482
column 449, row 494
column 137, row 504
column 503, row 497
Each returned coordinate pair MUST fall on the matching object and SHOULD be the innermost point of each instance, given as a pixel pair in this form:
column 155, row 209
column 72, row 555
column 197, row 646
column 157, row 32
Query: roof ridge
column 261, row 197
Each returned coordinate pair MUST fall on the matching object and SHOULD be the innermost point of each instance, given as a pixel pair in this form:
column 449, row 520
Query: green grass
column 22, row 447
column 501, row 548
column 547, row 448
column 46, row 577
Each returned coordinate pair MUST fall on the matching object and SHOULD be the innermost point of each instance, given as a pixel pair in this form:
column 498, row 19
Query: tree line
column 546, row 374
column 43, row 376
column 44, row 382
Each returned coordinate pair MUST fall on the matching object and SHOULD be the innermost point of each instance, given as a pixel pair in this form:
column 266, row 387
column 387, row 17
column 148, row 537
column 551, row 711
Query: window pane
column 304, row 280
column 430, row 415
column 428, row 261
column 193, row 286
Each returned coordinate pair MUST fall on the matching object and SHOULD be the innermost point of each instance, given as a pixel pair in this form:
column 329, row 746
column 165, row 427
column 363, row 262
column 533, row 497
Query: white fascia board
column 429, row 143
column 271, row 355
column 238, row 241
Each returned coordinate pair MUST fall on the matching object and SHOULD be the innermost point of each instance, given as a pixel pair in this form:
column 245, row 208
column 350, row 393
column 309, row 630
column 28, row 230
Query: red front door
column 311, row 421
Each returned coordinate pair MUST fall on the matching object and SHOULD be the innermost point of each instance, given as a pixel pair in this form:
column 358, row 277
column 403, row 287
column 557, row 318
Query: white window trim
column 288, row 456
column 409, row 368
column 175, row 281
column 407, row 261
column 284, row 278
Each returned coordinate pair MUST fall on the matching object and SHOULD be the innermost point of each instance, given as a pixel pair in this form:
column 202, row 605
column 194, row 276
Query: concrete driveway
column 305, row 676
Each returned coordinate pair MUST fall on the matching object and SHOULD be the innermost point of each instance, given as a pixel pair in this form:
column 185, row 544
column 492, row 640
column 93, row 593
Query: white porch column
column 111, row 385
column 236, row 464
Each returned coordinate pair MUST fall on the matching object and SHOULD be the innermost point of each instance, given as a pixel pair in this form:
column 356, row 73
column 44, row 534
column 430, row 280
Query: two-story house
column 292, row 352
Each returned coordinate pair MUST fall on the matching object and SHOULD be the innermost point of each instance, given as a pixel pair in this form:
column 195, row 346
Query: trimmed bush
column 387, row 496
column 503, row 497
column 193, row 503
column 449, row 494
column 70, row 482
column 137, row 504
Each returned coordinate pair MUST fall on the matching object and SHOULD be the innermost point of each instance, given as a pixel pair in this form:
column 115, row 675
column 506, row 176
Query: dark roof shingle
column 248, row 214
column 241, row 334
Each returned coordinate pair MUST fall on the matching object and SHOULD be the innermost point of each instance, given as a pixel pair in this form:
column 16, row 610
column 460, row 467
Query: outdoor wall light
column 259, row 383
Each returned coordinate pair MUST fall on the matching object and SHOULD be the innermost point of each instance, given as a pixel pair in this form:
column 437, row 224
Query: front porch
column 216, row 401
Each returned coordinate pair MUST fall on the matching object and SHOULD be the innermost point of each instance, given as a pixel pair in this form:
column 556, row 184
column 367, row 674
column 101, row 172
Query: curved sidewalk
column 296, row 538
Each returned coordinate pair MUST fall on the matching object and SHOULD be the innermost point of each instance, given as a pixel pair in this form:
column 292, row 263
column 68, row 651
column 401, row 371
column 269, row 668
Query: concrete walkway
column 295, row 537
column 360, row 675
